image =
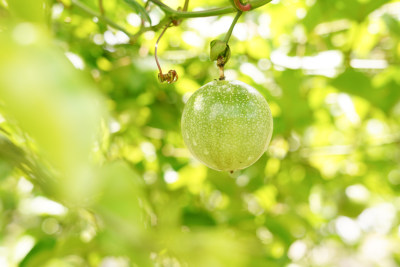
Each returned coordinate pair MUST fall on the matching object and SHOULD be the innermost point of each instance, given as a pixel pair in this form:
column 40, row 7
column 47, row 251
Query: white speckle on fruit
column 198, row 102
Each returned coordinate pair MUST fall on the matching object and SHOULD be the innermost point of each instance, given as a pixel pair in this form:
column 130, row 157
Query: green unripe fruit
column 227, row 125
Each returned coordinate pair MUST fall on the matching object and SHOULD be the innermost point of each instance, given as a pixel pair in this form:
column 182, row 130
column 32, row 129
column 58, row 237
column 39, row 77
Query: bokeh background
column 94, row 171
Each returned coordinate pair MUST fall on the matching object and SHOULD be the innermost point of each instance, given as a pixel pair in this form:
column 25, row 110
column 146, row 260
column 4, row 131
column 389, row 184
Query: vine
column 219, row 50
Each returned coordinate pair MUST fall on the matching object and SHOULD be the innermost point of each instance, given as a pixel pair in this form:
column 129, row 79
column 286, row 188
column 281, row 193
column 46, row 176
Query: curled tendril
column 242, row 7
column 171, row 76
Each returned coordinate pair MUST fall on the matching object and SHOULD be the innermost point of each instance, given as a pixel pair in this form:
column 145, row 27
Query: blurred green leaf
column 139, row 9
column 293, row 99
column 357, row 83
column 193, row 218
column 40, row 253
column 392, row 24
column 29, row 10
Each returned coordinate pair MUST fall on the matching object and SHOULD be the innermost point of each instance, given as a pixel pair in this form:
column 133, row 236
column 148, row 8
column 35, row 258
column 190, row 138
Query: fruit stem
column 221, row 61
column 229, row 33
column 221, row 65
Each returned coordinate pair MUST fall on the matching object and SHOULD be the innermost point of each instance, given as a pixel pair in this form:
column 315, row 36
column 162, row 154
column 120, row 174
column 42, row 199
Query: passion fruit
column 227, row 125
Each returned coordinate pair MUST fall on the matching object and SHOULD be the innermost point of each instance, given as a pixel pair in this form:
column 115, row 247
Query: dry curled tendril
column 171, row 76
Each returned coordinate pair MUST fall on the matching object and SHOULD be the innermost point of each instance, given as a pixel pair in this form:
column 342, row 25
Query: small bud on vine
column 219, row 49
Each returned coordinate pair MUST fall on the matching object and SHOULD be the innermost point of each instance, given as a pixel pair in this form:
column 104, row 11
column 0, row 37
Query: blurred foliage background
column 94, row 171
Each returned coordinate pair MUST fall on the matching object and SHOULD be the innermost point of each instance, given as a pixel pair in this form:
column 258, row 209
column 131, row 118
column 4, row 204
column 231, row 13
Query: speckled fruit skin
column 227, row 125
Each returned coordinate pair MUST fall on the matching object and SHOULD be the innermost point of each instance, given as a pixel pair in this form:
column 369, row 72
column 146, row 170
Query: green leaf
column 40, row 253
column 5, row 169
column 392, row 24
column 293, row 99
column 371, row 6
column 383, row 96
column 192, row 217
column 139, row 9
column 10, row 152
column 327, row 10
column 31, row 10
